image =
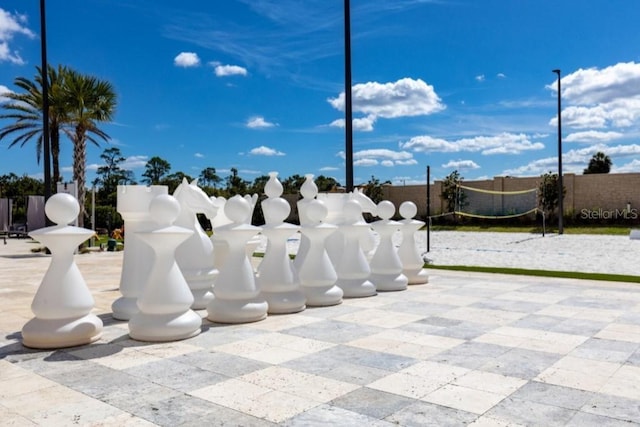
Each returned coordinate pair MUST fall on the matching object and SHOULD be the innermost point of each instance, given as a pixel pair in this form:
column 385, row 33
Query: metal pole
column 428, row 208
column 45, row 104
column 348, row 119
column 560, row 185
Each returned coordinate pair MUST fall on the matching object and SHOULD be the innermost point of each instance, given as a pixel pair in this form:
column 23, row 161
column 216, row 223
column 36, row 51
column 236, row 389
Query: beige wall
column 591, row 192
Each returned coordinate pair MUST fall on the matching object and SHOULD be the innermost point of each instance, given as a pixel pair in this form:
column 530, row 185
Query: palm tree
column 26, row 110
column 599, row 163
column 88, row 101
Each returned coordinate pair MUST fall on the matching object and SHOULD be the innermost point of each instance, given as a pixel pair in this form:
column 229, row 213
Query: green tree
column 174, row 180
column 257, row 186
column 235, row 184
column 110, row 175
column 26, row 109
column 88, row 102
column 292, row 184
column 373, row 189
column 549, row 193
column 209, row 178
column 17, row 187
column 326, row 183
column 599, row 163
column 452, row 194
column 155, row 170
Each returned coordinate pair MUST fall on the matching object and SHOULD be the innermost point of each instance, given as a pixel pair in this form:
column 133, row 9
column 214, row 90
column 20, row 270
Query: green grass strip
column 539, row 273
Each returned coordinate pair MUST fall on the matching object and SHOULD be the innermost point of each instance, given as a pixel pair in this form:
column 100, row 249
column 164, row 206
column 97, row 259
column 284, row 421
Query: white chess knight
column 412, row 262
column 195, row 256
column 386, row 267
column 352, row 267
column 276, row 279
column 63, row 303
column 236, row 296
column 164, row 307
column 316, row 273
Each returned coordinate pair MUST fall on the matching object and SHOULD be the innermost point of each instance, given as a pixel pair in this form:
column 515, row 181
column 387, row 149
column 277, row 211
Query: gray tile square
column 521, row 363
column 176, row 375
column 333, row 331
column 221, row 363
column 471, row 355
column 528, row 413
column 319, row 364
column 423, row 414
column 549, row 394
column 373, row 403
column 606, row 350
column 325, row 415
column 620, row 408
column 359, row 356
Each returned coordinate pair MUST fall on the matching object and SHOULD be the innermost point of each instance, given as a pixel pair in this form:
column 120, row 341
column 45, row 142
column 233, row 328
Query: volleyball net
column 491, row 204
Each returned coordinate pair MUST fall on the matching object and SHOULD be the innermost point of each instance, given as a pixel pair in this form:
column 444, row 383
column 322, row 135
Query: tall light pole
column 348, row 114
column 560, row 185
column 45, row 104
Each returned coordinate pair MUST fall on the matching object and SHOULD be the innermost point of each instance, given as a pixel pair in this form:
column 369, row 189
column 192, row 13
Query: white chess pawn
column 352, row 267
column 276, row 279
column 412, row 263
column 63, row 303
column 386, row 267
column 133, row 206
column 236, row 297
column 164, row 308
column 316, row 274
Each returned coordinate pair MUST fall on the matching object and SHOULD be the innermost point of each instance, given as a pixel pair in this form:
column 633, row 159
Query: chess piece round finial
column 62, row 208
column 317, row 211
column 279, row 209
column 164, row 209
column 352, row 211
column 309, row 189
column 408, row 210
column 386, row 209
column 237, row 209
column 273, row 188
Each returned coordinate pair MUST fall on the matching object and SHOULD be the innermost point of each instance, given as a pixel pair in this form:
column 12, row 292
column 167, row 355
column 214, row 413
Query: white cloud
column 501, row 76
column 10, row 25
column 265, row 151
column 3, row 91
column 382, row 153
column 595, row 86
column 134, row 162
column 199, row 155
column 186, row 60
column 229, row 70
column 593, row 136
column 504, row 143
column 328, row 169
column 365, row 162
column 461, row 164
column 633, row 166
column 480, row 78
column 404, row 98
column 258, row 122
column 362, row 124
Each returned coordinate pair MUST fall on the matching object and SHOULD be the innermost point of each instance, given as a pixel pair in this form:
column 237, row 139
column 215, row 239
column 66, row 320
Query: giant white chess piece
column 164, row 307
column 316, row 274
column 62, row 305
column 412, row 263
column 352, row 267
column 276, row 279
column 309, row 191
column 386, row 267
column 133, row 206
column 236, row 297
column 195, row 256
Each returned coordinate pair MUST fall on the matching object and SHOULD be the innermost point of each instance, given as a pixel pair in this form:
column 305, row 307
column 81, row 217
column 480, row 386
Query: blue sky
column 258, row 85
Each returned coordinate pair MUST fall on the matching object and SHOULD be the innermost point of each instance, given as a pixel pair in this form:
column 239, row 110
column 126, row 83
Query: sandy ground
column 585, row 253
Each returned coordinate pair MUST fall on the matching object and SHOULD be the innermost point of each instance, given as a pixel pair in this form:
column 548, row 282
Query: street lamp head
column 557, row 71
